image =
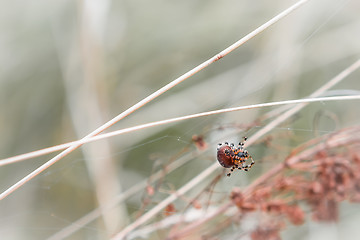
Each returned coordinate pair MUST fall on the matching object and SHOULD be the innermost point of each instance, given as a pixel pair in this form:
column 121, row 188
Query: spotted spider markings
column 233, row 157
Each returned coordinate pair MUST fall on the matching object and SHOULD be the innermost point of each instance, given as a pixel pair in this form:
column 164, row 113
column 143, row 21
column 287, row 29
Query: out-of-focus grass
column 68, row 67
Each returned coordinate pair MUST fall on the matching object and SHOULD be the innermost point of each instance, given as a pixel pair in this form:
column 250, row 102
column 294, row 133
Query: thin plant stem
column 168, row 121
column 153, row 96
column 341, row 76
column 187, row 229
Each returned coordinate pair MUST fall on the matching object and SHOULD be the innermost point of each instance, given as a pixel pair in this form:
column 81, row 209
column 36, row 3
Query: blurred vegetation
column 69, row 66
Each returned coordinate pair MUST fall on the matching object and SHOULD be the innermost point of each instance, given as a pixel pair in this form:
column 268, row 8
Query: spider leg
column 247, row 167
column 220, row 144
column 241, row 144
column 232, row 169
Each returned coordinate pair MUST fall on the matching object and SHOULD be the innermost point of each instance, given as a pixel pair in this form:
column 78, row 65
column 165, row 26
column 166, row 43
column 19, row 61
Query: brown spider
column 233, row 157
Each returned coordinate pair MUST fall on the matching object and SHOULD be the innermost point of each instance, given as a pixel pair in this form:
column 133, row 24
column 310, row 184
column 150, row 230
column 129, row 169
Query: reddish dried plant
column 199, row 142
column 269, row 232
column 316, row 176
column 319, row 177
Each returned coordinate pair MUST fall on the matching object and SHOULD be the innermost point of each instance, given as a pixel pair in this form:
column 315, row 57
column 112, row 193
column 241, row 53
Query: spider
column 233, row 157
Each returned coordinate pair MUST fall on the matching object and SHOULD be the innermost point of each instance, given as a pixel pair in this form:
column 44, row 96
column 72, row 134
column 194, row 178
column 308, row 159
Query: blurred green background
column 69, row 66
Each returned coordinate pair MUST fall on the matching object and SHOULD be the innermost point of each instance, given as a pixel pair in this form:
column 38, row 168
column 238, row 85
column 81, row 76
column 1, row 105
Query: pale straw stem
column 168, row 121
column 153, row 96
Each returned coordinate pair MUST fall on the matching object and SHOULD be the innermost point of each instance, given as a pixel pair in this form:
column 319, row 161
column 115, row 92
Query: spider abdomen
column 225, row 156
